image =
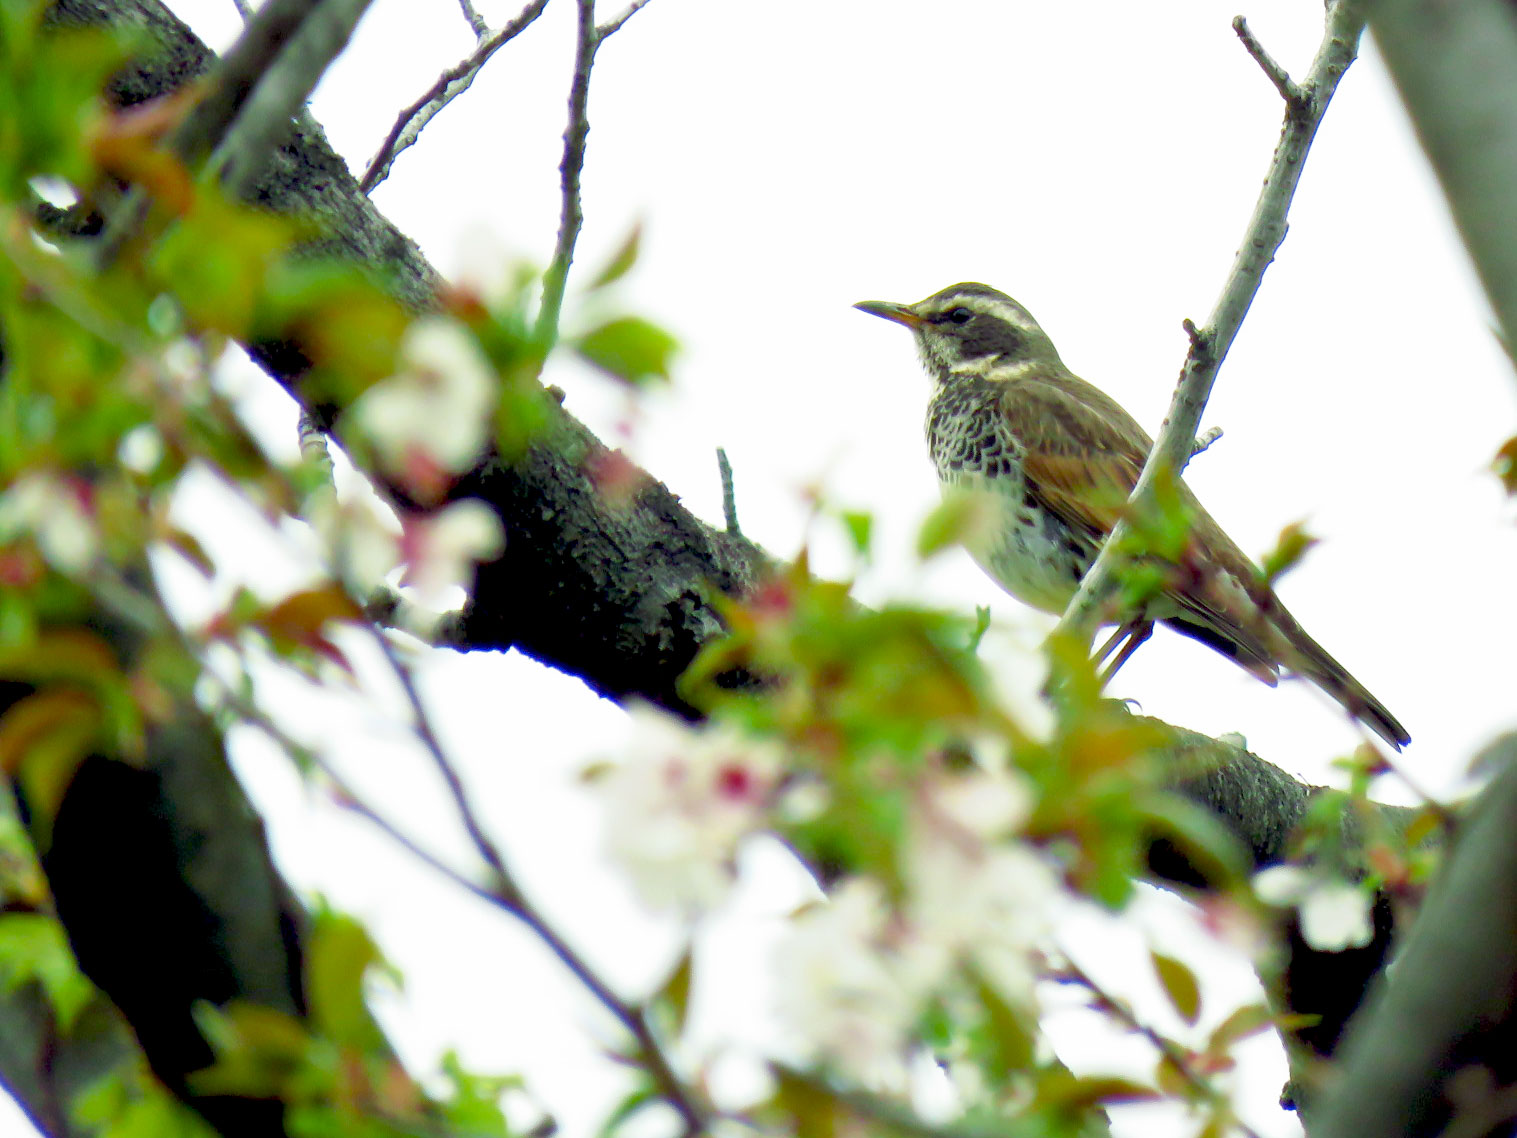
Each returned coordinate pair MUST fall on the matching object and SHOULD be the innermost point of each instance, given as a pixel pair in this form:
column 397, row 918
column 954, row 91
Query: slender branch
column 612, row 26
column 450, row 84
column 1291, row 93
column 466, row 812
column 1209, row 345
column 503, row 892
column 1173, row 1053
column 570, row 168
column 1204, row 441
column 508, row 895
column 476, row 22
column 729, row 494
column 244, row 9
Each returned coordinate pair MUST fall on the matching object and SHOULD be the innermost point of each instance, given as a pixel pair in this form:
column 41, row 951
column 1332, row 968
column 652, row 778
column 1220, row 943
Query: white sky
column 1098, row 161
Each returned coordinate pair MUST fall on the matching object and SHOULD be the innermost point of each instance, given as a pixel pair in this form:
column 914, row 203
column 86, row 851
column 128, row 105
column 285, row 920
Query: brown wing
column 1081, row 452
column 1082, row 455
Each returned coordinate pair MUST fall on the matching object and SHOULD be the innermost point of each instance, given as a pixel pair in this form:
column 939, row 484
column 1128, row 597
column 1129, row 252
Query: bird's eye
column 959, row 316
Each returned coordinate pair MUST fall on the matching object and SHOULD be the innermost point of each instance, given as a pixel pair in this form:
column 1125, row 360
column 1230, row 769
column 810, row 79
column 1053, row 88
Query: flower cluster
column 680, row 805
column 430, row 421
column 1335, row 914
column 439, row 550
column 857, row 972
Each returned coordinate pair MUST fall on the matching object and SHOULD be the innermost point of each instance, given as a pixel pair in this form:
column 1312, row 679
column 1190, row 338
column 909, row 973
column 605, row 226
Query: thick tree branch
column 282, row 91
column 1209, row 345
column 1455, row 64
column 1433, row 1053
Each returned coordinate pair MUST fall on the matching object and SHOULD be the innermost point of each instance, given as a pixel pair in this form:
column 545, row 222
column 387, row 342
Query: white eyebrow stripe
column 1007, row 310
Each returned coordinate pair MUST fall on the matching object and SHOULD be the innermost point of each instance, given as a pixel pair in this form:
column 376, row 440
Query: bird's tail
column 1308, row 658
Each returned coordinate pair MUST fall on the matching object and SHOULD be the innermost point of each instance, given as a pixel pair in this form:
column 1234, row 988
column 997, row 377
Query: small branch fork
column 1294, row 97
column 589, row 38
column 1306, row 104
column 450, row 84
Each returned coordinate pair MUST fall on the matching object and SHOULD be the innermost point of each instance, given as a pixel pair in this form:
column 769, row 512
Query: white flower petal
column 1335, row 915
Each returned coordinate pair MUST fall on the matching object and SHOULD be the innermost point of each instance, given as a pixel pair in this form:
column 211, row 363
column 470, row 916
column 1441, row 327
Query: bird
column 1058, row 458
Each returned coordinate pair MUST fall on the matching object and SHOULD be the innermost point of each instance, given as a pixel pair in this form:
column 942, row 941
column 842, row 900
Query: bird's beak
column 900, row 313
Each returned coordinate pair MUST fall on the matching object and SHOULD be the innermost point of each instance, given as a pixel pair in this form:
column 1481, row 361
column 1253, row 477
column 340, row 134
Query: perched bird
column 1060, row 458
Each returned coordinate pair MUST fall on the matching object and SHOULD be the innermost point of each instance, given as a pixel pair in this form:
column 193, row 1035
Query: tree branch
column 450, row 84
column 1209, row 345
column 571, row 217
column 1292, row 94
column 1441, row 1031
column 571, row 167
column 282, row 91
column 1455, row 65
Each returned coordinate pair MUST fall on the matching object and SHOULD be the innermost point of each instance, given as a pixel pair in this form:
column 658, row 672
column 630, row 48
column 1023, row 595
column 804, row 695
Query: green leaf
column 1179, row 984
column 629, row 348
column 474, row 1107
column 958, row 519
column 110, row 1108
column 215, row 260
column 1290, row 548
column 640, row 1096
column 676, row 990
column 1248, row 1020
column 1011, row 1039
column 34, row 947
column 813, row 1111
column 340, row 954
column 621, row 261
column 860, row 527
column 1505, row 465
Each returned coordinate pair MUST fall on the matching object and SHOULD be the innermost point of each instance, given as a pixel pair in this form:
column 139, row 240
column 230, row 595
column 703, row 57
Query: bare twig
column 1173, row 1053
column 729, row 494
column 1205, row 440
column 570, row 168
column 477, row 23
column 556, row 278
column 1209, row 345
column 508, row 895
column 502, row 892
column 1292, row 94
column 450, row 84
column 612, row 26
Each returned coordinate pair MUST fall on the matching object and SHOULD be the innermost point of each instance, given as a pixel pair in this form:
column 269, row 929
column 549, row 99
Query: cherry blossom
column 681, row 803
column 1335, row 914
column 851, row 986
column 431, row 420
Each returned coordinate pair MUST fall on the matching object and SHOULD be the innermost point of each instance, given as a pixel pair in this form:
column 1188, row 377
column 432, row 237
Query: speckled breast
column 1028, row 551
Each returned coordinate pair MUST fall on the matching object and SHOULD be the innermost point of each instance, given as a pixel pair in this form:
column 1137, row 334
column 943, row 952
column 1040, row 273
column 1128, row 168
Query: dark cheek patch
column 983, row 337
